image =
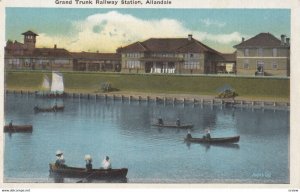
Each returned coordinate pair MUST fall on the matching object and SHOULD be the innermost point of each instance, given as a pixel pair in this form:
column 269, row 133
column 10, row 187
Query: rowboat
column 173, row 125
column 51, row 109
column 74, row 172
column 220, row 140
column 18, row 128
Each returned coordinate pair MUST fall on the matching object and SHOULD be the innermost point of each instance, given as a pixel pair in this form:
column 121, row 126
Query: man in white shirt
column 106, row 163
column 60, row 161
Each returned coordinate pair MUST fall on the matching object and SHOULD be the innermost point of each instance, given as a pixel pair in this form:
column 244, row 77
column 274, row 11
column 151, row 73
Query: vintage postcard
column 149, row 92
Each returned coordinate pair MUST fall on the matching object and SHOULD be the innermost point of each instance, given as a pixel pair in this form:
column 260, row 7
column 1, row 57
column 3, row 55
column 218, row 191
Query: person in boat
column 207, row 136
column 36, row 108
column 178, row 122
column 10, row 125
column 55, row 106
column 189, row 135
column 60, row 161
column 106, row 163
column 160, row 121
column 88, row 162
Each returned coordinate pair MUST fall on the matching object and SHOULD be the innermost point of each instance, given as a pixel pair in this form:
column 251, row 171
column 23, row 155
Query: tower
column 29, row 40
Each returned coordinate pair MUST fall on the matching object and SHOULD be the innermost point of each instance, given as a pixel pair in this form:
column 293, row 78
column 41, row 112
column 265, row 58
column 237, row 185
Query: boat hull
column 18, row 128
column 214, row 140
column 74, row 172
column 52, row 109
column 50, row 95
column 183, row 126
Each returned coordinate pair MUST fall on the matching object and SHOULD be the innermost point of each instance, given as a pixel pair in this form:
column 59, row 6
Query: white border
column 294, row 5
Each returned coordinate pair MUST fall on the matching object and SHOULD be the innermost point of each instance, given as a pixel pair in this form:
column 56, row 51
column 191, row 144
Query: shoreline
column 168, row 99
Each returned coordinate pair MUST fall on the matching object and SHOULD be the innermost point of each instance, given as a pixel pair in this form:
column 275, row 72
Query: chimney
column 282, row 39
column 287, row 41
column 243, row 39
column 190, row 37
column 55, row 46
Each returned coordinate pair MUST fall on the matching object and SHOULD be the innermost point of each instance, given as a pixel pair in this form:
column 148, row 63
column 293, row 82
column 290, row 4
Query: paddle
column 80, row 181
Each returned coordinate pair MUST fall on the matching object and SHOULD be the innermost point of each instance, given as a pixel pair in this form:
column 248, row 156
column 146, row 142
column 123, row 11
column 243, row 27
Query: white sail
column 46, row 83
column 57, row 82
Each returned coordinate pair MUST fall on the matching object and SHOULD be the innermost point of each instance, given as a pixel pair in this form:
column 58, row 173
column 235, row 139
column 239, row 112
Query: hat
column 58, row 152
column 107, row 158
column 88, row 157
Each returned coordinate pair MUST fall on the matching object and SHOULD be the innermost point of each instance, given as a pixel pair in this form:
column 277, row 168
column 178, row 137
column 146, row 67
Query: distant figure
column 207, row 133
column 178, row 122
column 88, row 162
column 55, row 106
column 160, row 121
column 10, row 125
column 106, row 163
column 60, row 161
column 189, row 135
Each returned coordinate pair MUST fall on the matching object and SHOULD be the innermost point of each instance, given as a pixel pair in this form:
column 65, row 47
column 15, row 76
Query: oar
column 80, row 181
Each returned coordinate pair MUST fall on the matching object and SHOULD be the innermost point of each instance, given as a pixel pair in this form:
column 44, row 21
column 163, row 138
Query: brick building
column 263, row 54
column 170, row 55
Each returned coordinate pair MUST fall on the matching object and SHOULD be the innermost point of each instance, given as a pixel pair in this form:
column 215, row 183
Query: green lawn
column 250, row 87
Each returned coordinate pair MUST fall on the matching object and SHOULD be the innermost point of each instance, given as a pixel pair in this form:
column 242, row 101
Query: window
column 274, row 52
column 246, row 52
column 246, row 64
column 260, row 52
column 191, row 65
column 133, row 64
column 274, row 65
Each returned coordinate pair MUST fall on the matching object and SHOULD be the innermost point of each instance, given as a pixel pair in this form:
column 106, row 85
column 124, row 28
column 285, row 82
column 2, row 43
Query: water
column 123, row 131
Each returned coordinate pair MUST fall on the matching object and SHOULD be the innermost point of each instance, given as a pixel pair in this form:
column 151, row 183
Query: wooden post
column 274, row 104
column 105, row 97
column 122, row 98
column 148, row 99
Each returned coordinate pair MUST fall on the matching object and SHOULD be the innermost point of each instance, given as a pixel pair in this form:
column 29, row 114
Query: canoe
column 173, row 125
column 220, row 140
column 18, row 128
column 51, row 109
column 74, row 172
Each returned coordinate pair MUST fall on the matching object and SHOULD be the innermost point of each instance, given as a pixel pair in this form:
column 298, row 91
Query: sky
column 105, row 30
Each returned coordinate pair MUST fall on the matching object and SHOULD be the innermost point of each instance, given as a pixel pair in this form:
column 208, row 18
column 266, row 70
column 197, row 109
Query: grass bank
column 247, row 87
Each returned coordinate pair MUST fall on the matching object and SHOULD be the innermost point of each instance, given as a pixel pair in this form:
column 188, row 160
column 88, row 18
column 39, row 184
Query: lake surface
column 123, row 131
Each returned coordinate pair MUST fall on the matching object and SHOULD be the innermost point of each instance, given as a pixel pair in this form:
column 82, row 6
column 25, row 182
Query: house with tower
column 26, row 56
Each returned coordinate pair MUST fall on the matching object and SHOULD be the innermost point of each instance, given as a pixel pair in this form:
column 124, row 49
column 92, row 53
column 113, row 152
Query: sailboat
column 56, row 88
column 57, row 85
